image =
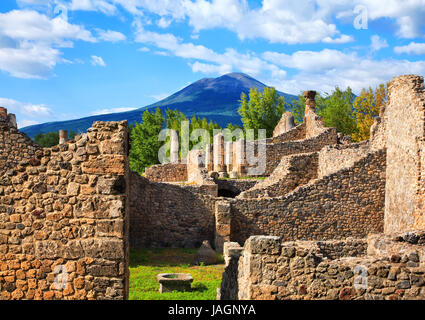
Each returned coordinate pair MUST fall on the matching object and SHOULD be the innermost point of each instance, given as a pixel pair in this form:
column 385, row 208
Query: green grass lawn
column 146, row 264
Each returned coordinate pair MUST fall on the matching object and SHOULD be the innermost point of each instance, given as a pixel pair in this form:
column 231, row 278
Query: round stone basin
column 174, row 281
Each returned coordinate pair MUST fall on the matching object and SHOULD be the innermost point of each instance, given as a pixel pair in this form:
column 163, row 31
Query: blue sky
column 64, row 59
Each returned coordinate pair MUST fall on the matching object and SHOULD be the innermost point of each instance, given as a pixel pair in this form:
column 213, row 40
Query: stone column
column 222, row 224
column 219, row 153
column 229, row 156
column 208, row 159
column 310, row 102
column 174, row 147
column 63, row 136
column 240, row 163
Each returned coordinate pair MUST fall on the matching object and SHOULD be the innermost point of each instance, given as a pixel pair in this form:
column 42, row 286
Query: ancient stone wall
column 405, row 118
column 15, row 146
column 285, row 124
column 335, row 157
column 296, row 133
column 64, row 218
column 236, row 186
column 269, row 270
column 169, row 172
column 349, row 202
column 167, row 215
column 276, row 151
column 293, row 171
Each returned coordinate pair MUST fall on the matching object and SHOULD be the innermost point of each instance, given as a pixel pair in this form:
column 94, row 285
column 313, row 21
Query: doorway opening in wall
column 228, row 193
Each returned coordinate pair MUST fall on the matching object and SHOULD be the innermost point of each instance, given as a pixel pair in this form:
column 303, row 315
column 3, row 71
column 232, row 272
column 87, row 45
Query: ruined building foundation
column 326, row 219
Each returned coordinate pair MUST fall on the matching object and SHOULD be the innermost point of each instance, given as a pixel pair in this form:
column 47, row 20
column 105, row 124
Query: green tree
column 336, row 110
column 261, row 110
column 50, row 139
column 298, row 109
column 144, row 140
column 47, row 140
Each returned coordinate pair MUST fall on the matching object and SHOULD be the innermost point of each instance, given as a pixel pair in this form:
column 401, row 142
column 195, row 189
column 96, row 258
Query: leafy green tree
column 262, row 110
column 47, row 140
column 144, row 140
column 298, row 109
column 336, row 110
column 50, row 139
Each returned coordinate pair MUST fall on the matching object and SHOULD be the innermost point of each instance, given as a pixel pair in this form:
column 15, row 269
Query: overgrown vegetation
column 145, row 265
column 50, row 139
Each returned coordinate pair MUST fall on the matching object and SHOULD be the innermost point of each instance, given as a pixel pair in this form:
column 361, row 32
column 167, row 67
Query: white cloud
column 217, row 62
column 144, row 49
column 313, row 61
column 323, row 70
column 377, row 43
column 342, row 39
column 97, row 61
column 164, row 23
column 25, row 123
column 29, row 60
column 411, row 48
column 111, row 110
column 111, row 36
column 25, row 25
column 28, row 109
column 210, row 68
column 106, row 7
column 24, row 109
column 29, row 42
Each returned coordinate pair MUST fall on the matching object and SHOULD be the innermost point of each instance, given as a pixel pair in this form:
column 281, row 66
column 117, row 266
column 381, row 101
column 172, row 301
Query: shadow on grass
column 166, row 257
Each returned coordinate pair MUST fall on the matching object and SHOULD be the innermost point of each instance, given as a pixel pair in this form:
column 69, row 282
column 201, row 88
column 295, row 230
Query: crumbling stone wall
column 15, row 146
column 296, row 133
column 338, row 156
column 275, row 151
column 404, row 131
column 236, row 185
column 349, row 202
column 64, row 219
column 293, row 171
column 285, row 124
column 270, row 270
column 167, row 215
column 168, row 172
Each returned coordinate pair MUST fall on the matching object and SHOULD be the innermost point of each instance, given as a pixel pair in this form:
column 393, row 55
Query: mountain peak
column 216, row 99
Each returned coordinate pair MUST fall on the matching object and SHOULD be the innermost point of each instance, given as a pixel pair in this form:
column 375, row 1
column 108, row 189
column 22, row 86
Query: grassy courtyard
column 146, row 264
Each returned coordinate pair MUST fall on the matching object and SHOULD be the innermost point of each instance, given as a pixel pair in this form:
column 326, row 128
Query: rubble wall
column 64, row 219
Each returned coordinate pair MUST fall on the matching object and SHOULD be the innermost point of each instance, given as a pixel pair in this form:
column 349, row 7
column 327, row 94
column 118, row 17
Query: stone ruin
column 326, row 219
